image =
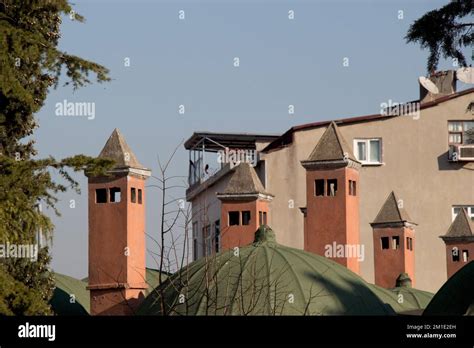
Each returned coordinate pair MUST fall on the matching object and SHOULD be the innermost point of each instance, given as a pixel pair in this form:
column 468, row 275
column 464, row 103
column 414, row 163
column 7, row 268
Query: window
column 264, row 217
column 246, row 217
column 115, row 195
column 234, row 218
column 195, row 240
column 217, row 236
column 352, row 188
column 332, row 187
column 260, row 218
column 461, row 132
column 319, row 187
column 207, row 247
column 101, row 195
column 139, row 196
column 395, row 242
column 409, row 243
column 133, row 195
column 456, row 209
column 368, row 151
column 465, row 255
column 455, row 254
column 385, row 242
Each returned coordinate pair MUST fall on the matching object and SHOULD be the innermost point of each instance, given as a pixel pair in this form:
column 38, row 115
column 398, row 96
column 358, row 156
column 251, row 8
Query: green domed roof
column 265, row 278
column 403, row 299
column 456, row 296
column 61, row 299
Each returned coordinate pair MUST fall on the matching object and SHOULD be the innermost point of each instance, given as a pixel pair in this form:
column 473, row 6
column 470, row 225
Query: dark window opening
column 217, row 235
column 395, row 242
column 195, row 249
column 319, row 187
column 385, row 242
column 115, row 195
column 139, row 196
column 264, row 217
column 246, row 217
column 465, row 255
column 260, row 218
column 133, row 195
column 352, row 188
column 207, row 245
column 101, row 195
column 455, row 254
column 234, row 218
column 195, row 240
column 332, row 187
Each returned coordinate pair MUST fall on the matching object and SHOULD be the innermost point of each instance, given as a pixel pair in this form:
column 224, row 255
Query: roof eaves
column 273, row 146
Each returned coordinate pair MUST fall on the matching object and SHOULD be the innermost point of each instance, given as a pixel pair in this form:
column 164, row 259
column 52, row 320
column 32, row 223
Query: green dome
column 456, row 296
column 265, row 278
column 61, row 299
column 403, row 299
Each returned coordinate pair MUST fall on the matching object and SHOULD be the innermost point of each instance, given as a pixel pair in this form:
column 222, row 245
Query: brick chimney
column 394, row 243
column 445, row 81
column 117, row 232
column 332, row 197
column 459, row 241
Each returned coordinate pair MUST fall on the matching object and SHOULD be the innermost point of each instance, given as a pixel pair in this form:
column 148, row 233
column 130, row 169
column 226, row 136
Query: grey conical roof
column 331, row 147
column 391, row 212
column 244, row 181
column 462, row 226
column 116, row 148
column 265, row 278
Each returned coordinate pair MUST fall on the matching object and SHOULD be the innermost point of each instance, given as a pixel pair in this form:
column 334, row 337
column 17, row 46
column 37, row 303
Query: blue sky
column 190, row 62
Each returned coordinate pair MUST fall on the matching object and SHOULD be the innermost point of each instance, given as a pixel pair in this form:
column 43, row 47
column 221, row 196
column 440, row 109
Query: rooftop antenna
column 465, row 75
column 428, row 85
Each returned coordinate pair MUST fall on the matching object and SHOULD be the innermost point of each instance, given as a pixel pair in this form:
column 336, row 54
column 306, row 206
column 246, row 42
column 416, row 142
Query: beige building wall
column 415, row 166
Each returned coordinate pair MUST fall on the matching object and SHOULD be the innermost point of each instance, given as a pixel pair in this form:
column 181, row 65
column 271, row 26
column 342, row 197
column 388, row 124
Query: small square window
column 246, row 217
column 455, row 254
column 385, row 242
column 319, row 187
column 133, row 194
column 395, row 242
column 465, row 255
column 332, row 187
column 234, row 218
column 101, row 195
column 139, row 196
column 115, row 195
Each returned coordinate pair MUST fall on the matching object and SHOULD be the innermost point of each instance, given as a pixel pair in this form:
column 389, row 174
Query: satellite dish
column 465, row 75
column 428, row 84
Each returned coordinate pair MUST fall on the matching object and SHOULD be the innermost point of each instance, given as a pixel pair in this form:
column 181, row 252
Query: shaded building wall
column 206, row 210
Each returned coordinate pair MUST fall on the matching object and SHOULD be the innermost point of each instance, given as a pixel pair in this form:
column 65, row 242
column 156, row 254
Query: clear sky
column 190, row 62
